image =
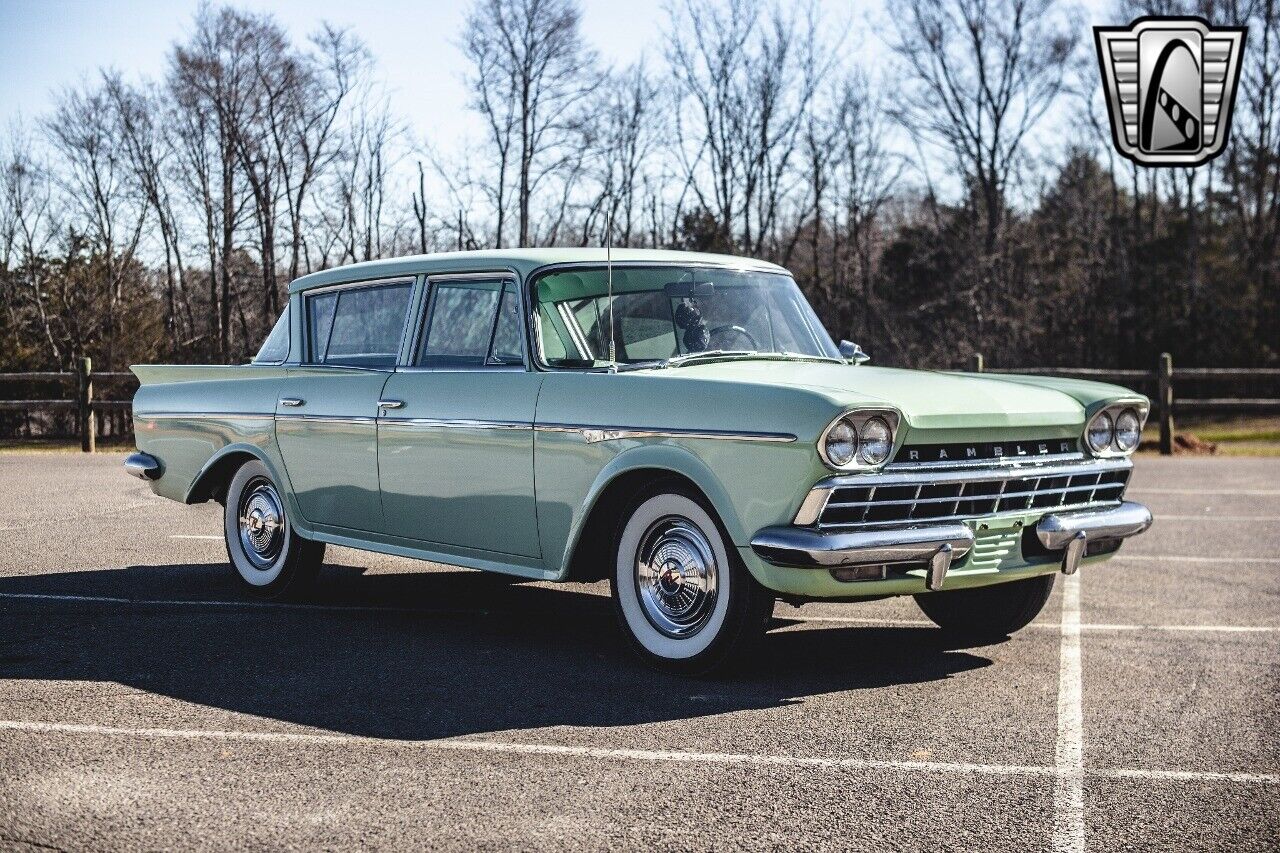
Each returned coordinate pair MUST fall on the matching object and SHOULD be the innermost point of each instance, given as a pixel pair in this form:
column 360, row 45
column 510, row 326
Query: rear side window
column 359, row 327
column 472, row 324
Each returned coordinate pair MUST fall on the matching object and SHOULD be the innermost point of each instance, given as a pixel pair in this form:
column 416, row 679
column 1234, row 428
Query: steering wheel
column 731, row 330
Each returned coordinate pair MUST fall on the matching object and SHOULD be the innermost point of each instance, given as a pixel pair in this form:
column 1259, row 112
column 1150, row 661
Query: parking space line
column 1068, row 785
column 625, row 754
column 1185, row 558
column 1226, row 492
column 194, row 536
column 1163, row 517
column 869, row 621
column 270, row 605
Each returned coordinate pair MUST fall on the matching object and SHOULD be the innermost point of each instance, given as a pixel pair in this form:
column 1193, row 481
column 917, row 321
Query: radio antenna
column 608, row 264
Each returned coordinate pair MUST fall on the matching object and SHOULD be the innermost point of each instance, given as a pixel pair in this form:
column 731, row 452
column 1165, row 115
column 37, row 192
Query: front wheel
column 988, row 611
column 682, row 595
column 268, row 555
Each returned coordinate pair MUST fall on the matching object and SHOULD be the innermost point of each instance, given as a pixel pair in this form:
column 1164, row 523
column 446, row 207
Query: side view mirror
column 853, row 353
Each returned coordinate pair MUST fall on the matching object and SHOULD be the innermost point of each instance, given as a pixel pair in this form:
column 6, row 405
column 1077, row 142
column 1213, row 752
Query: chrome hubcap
column 262, row 523
column 676, row 576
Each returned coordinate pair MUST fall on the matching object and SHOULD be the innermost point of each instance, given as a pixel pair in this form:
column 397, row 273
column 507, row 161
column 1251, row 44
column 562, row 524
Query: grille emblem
column 1170, row 85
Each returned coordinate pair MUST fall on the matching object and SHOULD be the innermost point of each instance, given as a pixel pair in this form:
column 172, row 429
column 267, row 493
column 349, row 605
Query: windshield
column 661, row 313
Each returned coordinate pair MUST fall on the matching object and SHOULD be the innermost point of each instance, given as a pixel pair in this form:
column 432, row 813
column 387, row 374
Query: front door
column 455, row 444
column 326, row 417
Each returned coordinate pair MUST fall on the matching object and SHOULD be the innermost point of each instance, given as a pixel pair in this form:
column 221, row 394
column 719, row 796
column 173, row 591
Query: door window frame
column 430, row 281
column 308, row 349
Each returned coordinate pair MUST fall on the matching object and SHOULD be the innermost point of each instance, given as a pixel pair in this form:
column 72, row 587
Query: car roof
column 522, row 261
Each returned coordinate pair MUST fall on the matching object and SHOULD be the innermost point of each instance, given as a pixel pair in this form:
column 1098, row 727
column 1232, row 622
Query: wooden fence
column 1157, row 383
column 84, row 403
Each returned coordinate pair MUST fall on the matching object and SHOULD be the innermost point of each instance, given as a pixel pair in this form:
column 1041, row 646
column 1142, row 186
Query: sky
column 46, row 45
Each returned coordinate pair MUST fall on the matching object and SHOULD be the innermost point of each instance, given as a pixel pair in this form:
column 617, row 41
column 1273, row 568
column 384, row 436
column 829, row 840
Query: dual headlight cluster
column 859, row 439
column 1116, row 430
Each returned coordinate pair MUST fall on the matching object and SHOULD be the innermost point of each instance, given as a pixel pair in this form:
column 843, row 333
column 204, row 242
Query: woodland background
column 962, row 197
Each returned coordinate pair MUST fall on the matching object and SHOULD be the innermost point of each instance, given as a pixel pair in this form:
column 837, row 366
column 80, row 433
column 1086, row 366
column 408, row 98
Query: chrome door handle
column 292, row 402
column 391, row 404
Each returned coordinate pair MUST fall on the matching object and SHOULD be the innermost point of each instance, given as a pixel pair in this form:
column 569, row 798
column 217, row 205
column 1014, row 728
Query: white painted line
column 1228, row 492
column 621, row 754
column 1052, row 626
column 270, row 605
column 1228, row 518
column 195, row 536
column 1183, row 558
column 428, row 611
column 1068, row 785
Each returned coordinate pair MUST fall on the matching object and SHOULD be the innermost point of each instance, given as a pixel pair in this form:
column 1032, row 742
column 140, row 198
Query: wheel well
column 212, row 484
column 594, row 549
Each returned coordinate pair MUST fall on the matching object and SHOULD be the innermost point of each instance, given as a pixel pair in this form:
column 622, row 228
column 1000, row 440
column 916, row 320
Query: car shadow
column 416, row 656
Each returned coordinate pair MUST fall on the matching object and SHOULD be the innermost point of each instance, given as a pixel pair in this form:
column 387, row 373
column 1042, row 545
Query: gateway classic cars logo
column 1170, row 85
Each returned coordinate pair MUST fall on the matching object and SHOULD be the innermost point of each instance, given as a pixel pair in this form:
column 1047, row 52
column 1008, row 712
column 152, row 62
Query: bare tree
column 530, row 70
column 982, row 74
column 750, row 75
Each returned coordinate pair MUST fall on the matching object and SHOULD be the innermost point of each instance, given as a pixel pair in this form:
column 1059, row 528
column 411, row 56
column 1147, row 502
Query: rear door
column 326, row 416
column 456, row 451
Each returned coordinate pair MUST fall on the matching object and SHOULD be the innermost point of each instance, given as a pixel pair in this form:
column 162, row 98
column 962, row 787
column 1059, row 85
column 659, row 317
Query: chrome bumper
column 143, row 466
column 1071, row 532
column 940, row 544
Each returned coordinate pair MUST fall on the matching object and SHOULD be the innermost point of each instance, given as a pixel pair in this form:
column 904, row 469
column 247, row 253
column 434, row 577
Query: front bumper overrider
column 939, row 545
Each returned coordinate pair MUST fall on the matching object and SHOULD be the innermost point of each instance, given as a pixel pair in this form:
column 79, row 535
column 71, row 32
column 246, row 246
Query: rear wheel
column 988, row 611
column 269, row 557
column 682, row 595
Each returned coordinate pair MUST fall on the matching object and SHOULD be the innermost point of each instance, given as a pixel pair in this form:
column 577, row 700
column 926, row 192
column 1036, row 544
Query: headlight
column 841, row 444
column 876, row 440
column 1128, row 430
column 1100, row 433
column 859, row 440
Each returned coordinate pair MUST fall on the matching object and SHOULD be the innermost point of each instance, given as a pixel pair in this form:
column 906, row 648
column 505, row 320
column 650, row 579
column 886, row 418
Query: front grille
column 958, row 495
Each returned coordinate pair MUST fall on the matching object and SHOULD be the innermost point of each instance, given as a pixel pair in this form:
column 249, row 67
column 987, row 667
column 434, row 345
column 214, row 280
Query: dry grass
column 1234, row 435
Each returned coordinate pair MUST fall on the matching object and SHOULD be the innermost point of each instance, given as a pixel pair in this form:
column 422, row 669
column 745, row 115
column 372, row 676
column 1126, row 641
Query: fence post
column 1164, row 379
column 84, row 407
column 976, row 363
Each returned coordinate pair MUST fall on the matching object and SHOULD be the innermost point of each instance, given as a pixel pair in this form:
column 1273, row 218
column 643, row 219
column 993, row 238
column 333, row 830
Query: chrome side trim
column 144, row 466
column 453, row 423
column 1071, row 532
column 169, row 416
column 806, row 548
column 1002, row 462
column 595, row 434
column 330, row 419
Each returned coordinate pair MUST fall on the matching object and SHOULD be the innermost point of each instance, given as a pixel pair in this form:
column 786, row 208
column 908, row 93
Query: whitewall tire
column 681, row 593
column 268, row 556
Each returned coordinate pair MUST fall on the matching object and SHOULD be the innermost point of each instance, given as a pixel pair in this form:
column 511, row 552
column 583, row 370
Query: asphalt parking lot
column 144, row 704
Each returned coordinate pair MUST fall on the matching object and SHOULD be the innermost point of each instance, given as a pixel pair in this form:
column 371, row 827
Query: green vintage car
column 678, row 423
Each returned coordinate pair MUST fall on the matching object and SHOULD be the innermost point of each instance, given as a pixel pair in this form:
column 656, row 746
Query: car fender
column 666, row 457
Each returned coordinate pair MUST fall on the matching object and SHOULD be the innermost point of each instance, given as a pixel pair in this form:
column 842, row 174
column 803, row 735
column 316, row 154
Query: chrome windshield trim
column 1004, row 462
column 595, row 434
column 170, row 416
column 453, row 423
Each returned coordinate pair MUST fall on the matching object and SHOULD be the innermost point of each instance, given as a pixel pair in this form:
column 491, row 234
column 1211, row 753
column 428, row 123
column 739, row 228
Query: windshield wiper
column 677, row 360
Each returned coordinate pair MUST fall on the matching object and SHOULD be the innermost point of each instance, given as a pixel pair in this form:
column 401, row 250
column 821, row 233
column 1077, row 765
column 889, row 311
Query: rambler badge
column 1170, row 84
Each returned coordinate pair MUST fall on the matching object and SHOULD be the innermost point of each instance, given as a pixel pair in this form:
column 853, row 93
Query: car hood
column 927, row 399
